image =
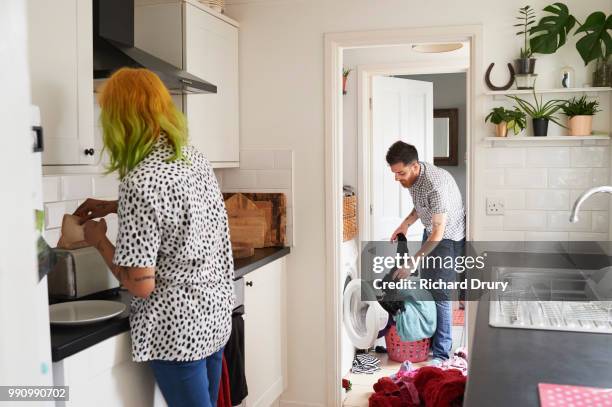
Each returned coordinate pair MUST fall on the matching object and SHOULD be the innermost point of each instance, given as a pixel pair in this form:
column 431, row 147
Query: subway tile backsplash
column 260, row 171
column 263, row 170
column 539, row 184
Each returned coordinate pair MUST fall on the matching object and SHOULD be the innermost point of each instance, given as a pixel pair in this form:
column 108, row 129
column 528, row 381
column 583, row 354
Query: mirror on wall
column 446, row 133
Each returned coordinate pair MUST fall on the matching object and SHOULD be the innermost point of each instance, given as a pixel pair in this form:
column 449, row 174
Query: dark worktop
column 68, row 340
column 506, row 364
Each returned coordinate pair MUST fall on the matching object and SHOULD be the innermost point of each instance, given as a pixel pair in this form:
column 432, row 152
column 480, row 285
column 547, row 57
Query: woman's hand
column 95, row 232
column 95, row 208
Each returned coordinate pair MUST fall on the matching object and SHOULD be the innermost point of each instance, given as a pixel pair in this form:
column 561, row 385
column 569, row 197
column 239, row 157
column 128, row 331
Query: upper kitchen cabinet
column 204, row 43
column 61, row 64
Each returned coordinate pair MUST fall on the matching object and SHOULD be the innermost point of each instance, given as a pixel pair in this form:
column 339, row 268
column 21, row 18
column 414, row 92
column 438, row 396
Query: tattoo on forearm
column 142, row 278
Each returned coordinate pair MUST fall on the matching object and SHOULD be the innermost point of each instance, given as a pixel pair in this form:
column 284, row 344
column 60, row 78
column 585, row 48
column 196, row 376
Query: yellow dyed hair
column 136, row 108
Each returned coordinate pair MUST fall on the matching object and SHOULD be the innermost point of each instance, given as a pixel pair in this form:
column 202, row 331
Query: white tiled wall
column 539, row 184
column 64, row 193
column 263, row 170
column 260, row 171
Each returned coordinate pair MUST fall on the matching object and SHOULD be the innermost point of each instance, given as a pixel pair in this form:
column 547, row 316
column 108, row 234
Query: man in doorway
column 438, row 204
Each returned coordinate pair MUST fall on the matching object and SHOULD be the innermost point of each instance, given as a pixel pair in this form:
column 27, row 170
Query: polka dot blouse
column 172, row 216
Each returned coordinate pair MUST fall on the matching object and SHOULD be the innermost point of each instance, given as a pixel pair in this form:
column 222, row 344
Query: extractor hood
column 113, row 48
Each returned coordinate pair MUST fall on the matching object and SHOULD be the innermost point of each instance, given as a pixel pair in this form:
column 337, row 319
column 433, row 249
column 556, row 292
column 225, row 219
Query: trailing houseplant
column 541, row 113
column 580, row 112
column 594, row 44
column 505, row 119
column 525, row 64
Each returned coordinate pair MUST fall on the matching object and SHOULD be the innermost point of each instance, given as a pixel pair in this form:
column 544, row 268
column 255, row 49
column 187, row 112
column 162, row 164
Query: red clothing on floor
column 224, row 399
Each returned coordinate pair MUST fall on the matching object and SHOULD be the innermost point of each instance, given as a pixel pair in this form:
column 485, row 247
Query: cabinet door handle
column 89, row 151
column 249, row 284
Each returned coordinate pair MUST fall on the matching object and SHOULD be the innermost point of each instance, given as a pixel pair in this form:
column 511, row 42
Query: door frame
column 334, row 44
column 365, row 74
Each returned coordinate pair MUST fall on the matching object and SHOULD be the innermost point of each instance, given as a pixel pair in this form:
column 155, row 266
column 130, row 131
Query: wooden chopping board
column 274, row 206
column 247, row 222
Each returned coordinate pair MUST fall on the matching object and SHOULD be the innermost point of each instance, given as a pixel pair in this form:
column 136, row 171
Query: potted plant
column 345, row 74
column 505, row 119
column 541, row 113
column 525, row 64
column 595, row 43
column 580, row 114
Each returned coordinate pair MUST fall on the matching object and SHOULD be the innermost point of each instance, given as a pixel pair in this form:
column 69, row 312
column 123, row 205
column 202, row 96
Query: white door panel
column 402, row 109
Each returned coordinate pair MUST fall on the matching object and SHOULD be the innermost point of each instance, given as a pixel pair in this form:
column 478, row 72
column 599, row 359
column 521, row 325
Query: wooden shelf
column 543, row 91
column 510, row 139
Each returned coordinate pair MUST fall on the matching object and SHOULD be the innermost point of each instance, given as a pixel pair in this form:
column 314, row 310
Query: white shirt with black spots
column 172, row 217
column 435, row 191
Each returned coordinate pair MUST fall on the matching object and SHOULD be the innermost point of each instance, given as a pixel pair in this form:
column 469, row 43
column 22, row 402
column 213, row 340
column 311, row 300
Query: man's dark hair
column 401, row 152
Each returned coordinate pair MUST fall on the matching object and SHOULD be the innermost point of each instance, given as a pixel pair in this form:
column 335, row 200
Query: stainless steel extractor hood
column 113, row 45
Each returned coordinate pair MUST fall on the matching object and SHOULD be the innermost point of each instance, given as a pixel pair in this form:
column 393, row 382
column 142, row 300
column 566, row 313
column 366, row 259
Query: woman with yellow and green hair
column 172, row 249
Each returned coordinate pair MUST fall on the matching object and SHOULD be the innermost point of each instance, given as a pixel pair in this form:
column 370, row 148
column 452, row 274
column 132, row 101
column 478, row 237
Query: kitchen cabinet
column 105, row 375
column 204, row 43
column 265, row 333
column 60, row 45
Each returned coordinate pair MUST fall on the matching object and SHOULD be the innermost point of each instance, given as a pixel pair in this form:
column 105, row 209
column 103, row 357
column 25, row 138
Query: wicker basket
column 399, row 351
column 349, row 216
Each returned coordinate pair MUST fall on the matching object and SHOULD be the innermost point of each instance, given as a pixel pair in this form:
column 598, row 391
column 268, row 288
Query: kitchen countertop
column 68, row 340
column 506, row 364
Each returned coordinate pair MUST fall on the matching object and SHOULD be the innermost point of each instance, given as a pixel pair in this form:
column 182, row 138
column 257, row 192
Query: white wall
column 282, row 106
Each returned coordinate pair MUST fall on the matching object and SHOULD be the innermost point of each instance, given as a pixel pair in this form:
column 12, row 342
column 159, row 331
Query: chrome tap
column 586, row 195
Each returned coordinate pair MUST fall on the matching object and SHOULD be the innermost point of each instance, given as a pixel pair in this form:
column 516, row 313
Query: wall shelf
column 547, row 138
column 588, row 90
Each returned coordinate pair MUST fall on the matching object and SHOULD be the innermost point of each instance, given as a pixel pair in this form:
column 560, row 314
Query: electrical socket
column 495, row 206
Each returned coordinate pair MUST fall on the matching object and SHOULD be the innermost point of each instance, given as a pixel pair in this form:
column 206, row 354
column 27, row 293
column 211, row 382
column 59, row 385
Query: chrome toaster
column 79, row 273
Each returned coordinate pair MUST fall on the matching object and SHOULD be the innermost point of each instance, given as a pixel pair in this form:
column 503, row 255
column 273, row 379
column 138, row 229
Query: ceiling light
column 437, row 48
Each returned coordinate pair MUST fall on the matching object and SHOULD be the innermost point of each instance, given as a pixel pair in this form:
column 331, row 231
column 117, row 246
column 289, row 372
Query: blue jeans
column 442, row 341
column 189, row 384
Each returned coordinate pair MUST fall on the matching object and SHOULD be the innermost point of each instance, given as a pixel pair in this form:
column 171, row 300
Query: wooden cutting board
column 275, row 234
column 247, row 222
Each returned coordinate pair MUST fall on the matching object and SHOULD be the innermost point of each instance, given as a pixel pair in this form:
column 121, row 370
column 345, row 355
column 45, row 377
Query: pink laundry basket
column 399, row 351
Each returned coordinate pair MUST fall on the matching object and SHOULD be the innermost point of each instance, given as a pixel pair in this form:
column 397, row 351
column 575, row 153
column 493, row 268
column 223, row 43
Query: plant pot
column 540, row 127
column 580, row 125
column 501, row 129
column 524, row 65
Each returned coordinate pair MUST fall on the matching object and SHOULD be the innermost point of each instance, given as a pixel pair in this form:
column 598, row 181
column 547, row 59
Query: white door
column 402, row 109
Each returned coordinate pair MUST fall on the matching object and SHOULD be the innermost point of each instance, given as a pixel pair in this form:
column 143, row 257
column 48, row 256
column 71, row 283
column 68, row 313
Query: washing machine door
column 363, row 320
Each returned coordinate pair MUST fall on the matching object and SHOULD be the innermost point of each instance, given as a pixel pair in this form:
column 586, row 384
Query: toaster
column 79, row 273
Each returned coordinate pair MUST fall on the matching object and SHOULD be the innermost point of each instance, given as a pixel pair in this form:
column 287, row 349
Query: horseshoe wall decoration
column 506, row 86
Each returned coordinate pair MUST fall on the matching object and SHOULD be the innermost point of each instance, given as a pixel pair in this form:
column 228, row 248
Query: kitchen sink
column 553, row 299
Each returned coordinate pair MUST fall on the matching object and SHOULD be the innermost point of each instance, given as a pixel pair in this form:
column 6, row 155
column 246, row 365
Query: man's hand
column 95, row 208
column 404, row 272
column 402, row 228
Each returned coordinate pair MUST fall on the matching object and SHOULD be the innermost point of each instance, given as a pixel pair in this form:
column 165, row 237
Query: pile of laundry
column 441, row 386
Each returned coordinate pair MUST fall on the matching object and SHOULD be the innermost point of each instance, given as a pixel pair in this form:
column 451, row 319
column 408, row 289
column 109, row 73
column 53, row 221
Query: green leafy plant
column 539, row 109
column 346, row 72
column 527, row 18
column 596, row 42
column 552, row 30
column 515, row 119
column 580, row 107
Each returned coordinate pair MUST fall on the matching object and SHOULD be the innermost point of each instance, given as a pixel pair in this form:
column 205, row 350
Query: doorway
column 367, row 75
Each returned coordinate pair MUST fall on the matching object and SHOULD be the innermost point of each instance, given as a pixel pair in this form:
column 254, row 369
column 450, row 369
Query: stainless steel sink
column 554, row 299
